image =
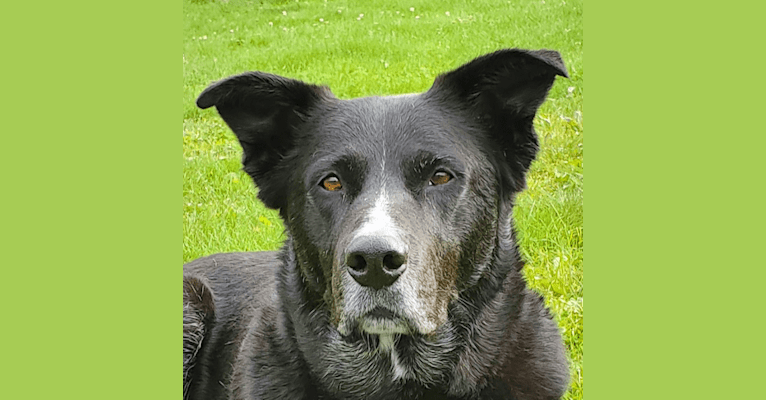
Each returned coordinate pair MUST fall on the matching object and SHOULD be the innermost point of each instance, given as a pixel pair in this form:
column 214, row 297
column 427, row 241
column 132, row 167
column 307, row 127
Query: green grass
column 378, row 48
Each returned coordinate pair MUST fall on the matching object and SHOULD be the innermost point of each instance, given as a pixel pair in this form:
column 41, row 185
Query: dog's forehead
column 384, row 127
column 379, row 118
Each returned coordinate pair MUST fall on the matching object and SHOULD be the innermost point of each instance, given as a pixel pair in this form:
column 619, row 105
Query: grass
column 378, row 48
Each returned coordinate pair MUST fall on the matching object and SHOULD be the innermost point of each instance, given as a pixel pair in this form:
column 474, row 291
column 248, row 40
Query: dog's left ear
column 265, row 111
column 503, row 91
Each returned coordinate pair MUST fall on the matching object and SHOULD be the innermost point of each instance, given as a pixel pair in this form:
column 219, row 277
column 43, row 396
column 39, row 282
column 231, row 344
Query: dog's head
column 394, row 203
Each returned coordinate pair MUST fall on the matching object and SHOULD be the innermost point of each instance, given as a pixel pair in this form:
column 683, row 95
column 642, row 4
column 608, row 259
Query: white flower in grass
column 412, row 9
column 446, row 13
column 284, row 12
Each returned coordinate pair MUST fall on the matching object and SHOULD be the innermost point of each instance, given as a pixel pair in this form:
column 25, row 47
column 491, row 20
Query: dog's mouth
column 382, row 321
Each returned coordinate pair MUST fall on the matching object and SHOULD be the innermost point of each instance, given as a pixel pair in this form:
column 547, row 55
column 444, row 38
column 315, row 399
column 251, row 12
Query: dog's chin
column 378, row 321
column 383, row 326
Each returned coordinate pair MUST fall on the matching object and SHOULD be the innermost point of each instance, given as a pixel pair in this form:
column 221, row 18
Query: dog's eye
column 331, row 183
column 439, row 178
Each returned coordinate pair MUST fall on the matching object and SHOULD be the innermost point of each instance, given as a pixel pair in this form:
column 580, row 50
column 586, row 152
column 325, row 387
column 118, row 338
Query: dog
column 400, row 277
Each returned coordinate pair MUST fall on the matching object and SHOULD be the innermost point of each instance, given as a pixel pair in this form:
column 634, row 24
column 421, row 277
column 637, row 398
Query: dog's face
column 392, row 203
column 386, row 194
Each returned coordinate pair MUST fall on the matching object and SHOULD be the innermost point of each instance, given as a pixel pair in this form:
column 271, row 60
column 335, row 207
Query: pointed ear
column 503, row 91
column 264, row 111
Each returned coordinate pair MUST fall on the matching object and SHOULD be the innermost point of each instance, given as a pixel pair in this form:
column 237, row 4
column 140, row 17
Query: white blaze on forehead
column 378, row 221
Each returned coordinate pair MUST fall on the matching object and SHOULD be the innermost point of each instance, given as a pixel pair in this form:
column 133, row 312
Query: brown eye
column 440, row 178
column 331, row 183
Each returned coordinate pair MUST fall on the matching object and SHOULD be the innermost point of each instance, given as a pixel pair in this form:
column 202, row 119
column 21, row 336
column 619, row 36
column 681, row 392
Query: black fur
column 458, row 321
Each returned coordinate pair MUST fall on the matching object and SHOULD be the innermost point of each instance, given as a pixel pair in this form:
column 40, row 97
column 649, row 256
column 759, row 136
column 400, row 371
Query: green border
column 674, row 297
column 90, row 159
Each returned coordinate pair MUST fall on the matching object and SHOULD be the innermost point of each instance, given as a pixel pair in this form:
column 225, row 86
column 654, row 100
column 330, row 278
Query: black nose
column 374, row 261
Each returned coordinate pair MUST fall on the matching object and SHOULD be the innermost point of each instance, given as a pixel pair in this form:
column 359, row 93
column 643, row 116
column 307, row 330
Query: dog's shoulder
column 535, row 365
column 221, row 293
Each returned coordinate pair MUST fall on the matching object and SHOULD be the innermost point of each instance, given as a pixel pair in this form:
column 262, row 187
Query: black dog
column 401, row 276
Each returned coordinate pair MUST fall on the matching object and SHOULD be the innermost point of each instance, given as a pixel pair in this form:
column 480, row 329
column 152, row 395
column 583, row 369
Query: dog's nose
column 375, row 261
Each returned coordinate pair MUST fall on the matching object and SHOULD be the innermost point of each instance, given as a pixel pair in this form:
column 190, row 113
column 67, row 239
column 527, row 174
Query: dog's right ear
column 503, row 91
column 264, row 111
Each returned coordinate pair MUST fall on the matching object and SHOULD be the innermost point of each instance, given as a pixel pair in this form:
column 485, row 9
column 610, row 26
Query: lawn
column 380, row 48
